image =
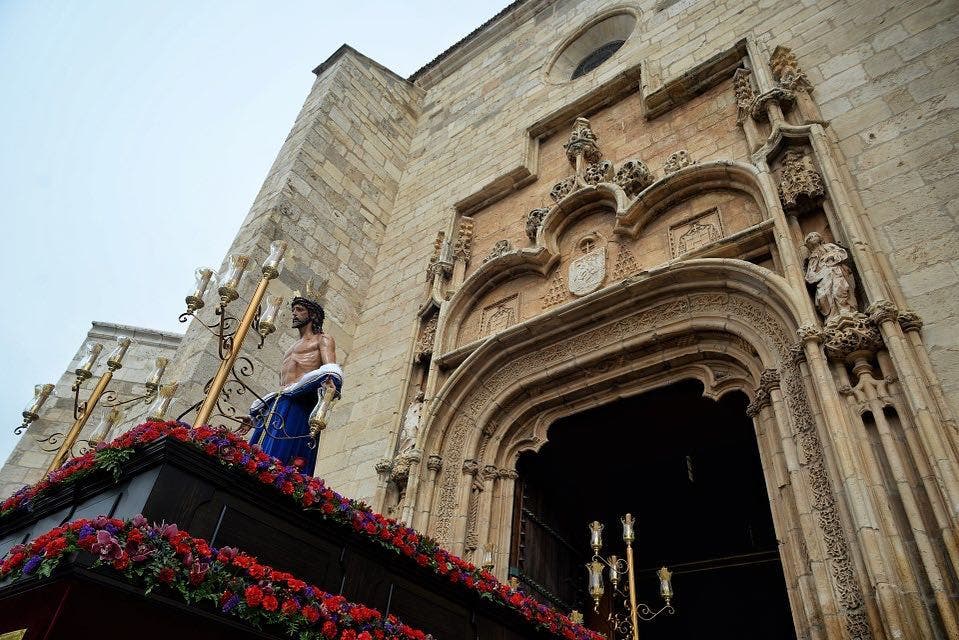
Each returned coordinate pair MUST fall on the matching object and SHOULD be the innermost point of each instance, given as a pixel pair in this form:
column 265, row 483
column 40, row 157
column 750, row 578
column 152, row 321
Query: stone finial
column 438, row 261
column 562, row 188
column 434, row 462
column 534, row 219
column 633, row 176
column 501, row 248
column 463, row 247
column 801, row 184
column 745, row 95
column 677, row 161
column 786, row 70
column 597, row 172
column 582, row 141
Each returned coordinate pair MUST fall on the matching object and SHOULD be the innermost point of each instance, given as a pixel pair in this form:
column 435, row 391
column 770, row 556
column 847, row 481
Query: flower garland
column 159, row 556
column 235, row 453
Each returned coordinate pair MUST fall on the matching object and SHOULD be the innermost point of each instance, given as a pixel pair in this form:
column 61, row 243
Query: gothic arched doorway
column 689, row 468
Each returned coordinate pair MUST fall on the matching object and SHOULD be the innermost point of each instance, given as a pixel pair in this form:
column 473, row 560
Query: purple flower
column 106, row 546
column 30, row 565
column 139, row 521
column 138, row 551
column 232, row 602
column 86, row 530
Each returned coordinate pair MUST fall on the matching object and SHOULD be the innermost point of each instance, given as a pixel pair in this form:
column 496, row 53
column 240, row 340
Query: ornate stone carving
column 786, row 70
column 677, row 161
column 509, row 474
column 582, row 141
column 625, row 264
column 437, row 264
column 383, row 466
column 745, row 96
column 556, row 292
column 562, row 188
column 809, row 333
column 489, row 472
column 424, row 344
column 633, row 176
column 801, row 184
column 694, row 233
column 909, row 320
column 463, row 247
column 847, row 334
column 470, row 466
column 534, row 219
column 588, row 271
column 597, row 172
column 761, row 401
column 500, row 315
column 882, row 311
column 827, row 269
column 501, row 248
column 769, row 379
column 434, row 462
column 778, row 95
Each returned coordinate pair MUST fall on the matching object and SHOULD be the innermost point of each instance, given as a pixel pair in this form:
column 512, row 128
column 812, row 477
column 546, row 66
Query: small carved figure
column 827, row 269
column 411, row 424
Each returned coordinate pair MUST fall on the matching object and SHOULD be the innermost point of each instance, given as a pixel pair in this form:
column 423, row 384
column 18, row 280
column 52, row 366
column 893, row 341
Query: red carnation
column 348, row 634
column 311, row 613
column 329, row 629
column 253, row 595
column 166, row 575
column 270, row 603
column 289, row 606
column 287, row 488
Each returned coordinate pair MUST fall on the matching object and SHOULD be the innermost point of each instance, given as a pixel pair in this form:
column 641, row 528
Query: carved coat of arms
column 587, row 272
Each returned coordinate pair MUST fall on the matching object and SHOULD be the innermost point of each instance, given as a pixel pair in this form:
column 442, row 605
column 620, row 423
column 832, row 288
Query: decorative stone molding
column 401, row 466
column 745, row 95
column 625, row 264
column 582, row 141
column 909, row 320
column 562, row 188
column 769, row 379
column 434, row 462
column 882, row 311
column 501, row 248
column 424, row 345
column 500, row 315
column 696, row 232
column 463, row 247
column 490, row 472
column 760, row 402
column 597, row 172
column 786, row 70
column 533, row 221
column 633, row 176
column 778, row 95
column 677, row 161
column 438, row 261
column 801, row 184
column 556, row 292
column 847, row 334
column 383, row 466
column 809, row 333
column 509, row 474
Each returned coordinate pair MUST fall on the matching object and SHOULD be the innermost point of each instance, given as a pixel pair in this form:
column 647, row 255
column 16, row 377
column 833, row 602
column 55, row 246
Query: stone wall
column 884, row 74
column 29, row 460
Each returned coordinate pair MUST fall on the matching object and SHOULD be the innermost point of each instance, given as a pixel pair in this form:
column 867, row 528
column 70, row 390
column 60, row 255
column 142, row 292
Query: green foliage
column 112, row 460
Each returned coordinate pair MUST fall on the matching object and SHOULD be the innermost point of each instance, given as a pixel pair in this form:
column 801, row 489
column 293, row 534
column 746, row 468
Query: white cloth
column 332, row 370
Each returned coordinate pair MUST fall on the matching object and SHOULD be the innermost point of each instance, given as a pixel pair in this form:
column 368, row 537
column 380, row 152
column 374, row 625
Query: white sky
column 134, row 137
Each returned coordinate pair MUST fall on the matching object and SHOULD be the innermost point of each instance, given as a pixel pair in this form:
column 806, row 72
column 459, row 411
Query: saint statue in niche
column 827, row 268
column 411, row 424
column 309, row 368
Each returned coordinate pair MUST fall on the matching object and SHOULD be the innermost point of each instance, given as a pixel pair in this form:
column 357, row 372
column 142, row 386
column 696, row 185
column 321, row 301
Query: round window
column 591, row 47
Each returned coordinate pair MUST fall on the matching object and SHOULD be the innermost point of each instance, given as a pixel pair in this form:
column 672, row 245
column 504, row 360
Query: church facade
column 584, row 203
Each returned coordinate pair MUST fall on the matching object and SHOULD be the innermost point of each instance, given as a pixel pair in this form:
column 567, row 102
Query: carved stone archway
column 697, row 316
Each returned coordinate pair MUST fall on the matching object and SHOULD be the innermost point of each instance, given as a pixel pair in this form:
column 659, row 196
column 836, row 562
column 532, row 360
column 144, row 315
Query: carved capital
column 489, row 472
column 761, row 401
column 769, row 379
column 434, row 462
column 809, row 333
column 501, row 248
column 677, row 161
column 801, row 184
column 534, row 219
column 882, row 311
column 796, row 353
column 510, row 474
column 849, row 333
column 383, row 466
column 463, row 248
column 633, row 176
column 582, row 141
column 909, row 320
column 471, row 466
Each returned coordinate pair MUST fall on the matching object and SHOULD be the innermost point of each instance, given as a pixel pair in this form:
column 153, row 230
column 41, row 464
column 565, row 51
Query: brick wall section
column 884, row 73
column 28, row 461
column 329, row 194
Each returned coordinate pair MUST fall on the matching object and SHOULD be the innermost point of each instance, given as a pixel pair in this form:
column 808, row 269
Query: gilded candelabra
column 63, row 443
column 625, row 613
column 230, row 332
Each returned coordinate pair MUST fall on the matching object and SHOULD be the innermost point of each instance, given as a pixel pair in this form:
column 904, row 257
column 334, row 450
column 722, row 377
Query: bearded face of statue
column 301, row 316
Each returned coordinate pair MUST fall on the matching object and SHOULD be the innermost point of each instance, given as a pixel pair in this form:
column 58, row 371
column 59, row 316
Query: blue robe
column 287, row 436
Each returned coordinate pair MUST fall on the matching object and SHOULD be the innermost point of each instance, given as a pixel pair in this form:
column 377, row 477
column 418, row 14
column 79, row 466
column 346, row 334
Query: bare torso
column 307, row 354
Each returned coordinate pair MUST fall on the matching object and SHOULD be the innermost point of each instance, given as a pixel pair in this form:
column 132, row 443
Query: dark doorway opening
column 688, row 469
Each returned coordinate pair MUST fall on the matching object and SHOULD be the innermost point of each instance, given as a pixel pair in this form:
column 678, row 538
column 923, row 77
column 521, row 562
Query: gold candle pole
column 628, row 537
column 227, row 293
column 114, row 362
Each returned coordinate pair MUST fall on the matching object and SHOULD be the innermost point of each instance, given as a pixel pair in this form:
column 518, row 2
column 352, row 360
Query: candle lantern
column 111, row 417
column 84, row 369
column 115, row 360
column 272, row 266
column 194, row 301
column 158, row 410
column 267, row 324
column 153, row 383
column 230, row 281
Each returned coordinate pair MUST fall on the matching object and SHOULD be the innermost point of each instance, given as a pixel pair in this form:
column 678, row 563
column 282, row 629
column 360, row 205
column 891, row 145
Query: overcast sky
column 135, row 136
